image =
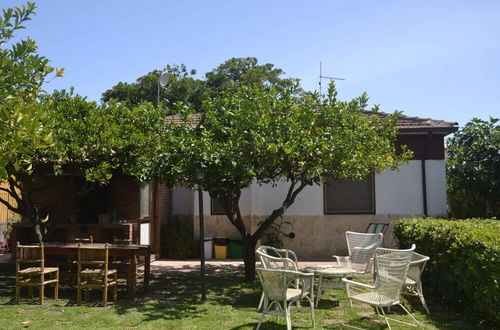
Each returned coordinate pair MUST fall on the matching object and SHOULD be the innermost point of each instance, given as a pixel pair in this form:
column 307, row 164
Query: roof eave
column 436, row 130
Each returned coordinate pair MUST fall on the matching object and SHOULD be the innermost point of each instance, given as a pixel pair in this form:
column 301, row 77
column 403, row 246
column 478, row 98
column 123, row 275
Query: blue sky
column 438, row 59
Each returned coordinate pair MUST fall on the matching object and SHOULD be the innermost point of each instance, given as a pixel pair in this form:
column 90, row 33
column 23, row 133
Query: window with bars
column 341, row 196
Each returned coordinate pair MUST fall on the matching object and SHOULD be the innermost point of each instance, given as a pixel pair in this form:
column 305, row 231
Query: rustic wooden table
column 131, row 251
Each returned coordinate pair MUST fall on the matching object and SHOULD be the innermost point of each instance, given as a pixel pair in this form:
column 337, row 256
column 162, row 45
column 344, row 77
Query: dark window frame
column 212, row 208
column 372, row 211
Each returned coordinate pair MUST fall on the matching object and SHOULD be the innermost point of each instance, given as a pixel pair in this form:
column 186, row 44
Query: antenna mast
column 325, row 77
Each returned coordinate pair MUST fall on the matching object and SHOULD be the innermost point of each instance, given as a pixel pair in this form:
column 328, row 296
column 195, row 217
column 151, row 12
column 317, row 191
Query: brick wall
column 125, row 197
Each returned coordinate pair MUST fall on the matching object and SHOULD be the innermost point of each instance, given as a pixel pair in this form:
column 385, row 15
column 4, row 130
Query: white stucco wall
column 396, row 192
column 436, row 187
column 400, row 191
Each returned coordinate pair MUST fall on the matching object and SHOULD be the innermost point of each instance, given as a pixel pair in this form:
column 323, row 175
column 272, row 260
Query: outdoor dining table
column 330, row 277
column 129, row 251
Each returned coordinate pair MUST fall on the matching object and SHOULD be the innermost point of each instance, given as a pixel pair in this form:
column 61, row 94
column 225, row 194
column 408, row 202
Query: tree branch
column 289, row 200
column 10, row 207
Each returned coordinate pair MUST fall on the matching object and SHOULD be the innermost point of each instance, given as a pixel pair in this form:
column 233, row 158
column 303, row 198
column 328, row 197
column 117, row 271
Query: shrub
column 179, row 241
column 464, row 270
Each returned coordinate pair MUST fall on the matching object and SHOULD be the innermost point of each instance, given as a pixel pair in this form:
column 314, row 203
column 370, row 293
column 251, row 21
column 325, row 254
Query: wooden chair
column 82, row 239
column 121, row 264
column 34, row 276
column 93, row 272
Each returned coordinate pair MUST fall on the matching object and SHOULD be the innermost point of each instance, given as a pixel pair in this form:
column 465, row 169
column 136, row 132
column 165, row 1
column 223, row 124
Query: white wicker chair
column 273, row 258
column 413, row 285
column 391, row 268
column 361, row 247
column 280, row 292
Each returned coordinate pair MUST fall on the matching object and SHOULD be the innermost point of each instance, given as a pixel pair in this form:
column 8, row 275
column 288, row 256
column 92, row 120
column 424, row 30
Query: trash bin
column 220, row 247
column 236, row 248
column 209, row 240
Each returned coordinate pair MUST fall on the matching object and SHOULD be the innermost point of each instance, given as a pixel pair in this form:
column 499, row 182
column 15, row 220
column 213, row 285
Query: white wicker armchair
column 273, row 258
column 413, row 284
column 391, row 268
column 281, row 292
column 361, row 247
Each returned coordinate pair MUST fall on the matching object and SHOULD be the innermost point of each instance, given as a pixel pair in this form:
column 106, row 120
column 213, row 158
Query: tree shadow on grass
column 174, row 292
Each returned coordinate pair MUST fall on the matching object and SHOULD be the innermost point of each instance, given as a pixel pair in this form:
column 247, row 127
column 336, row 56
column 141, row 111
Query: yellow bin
column 220, row 247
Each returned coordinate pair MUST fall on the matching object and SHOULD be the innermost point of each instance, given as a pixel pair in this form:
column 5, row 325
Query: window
column 216, row 207
column 342, row 196
column 144, row 200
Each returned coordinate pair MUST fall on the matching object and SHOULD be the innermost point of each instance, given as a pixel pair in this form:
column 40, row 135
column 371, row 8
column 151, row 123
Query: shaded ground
column 173, row 303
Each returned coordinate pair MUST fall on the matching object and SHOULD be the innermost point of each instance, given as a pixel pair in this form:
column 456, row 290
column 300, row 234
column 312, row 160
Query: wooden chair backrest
column 93, row 257
column 30, row 254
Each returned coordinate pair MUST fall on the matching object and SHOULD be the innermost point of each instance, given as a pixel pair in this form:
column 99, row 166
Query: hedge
column 464, row 269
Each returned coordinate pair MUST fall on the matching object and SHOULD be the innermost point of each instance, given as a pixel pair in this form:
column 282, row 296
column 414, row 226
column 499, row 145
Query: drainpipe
column 424, row 176
column 424, row 186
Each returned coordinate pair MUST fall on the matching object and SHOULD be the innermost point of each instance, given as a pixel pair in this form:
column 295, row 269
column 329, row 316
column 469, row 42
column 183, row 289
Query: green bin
column 236, row 248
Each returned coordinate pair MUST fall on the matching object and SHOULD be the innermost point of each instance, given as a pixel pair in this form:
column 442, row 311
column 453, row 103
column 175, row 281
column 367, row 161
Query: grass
column 173, row 303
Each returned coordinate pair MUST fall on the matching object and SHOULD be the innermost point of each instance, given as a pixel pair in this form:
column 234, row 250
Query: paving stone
column 333, row 321
column 365, row 314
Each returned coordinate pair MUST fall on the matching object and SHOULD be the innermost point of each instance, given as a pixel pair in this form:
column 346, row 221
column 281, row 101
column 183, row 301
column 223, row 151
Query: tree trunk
column 249, row 257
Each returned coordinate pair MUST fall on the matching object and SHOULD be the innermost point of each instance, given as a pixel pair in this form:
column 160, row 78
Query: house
column 127, row 208
column 321, row 214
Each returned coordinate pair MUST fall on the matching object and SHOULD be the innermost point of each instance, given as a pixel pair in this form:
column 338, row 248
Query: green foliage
column 473, row 170
column 256, row 134
column 244, row 71
column 94, row 140
column 178, row 240
column 22, row 74
column 182, row 87
column 269, row 135
column 464, row 269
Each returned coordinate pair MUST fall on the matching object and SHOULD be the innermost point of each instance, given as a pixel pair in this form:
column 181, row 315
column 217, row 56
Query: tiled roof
column 405, row 123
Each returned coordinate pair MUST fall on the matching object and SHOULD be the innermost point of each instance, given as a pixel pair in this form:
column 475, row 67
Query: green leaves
column 95, row 140
column 265, row 135
column 23, row 132
column 473, row 169
column 464, row 268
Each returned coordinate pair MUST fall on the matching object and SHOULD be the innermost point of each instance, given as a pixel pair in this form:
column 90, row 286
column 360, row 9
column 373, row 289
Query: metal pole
column 202, row 247
column 158, row 95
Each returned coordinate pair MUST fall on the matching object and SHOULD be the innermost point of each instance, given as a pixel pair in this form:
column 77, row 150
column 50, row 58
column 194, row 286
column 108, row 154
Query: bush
column 473, row 170
column 464, row 270
column 179, row 242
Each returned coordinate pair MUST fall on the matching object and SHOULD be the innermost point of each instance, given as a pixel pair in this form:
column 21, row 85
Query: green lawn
column 173, row 303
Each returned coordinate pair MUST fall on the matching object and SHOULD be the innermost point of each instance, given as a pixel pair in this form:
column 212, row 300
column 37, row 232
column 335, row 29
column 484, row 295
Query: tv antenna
column 325, row 77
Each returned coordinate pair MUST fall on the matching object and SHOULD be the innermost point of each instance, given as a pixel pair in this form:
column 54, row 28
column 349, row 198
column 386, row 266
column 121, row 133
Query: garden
column 243, row 124
column 173, row 302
